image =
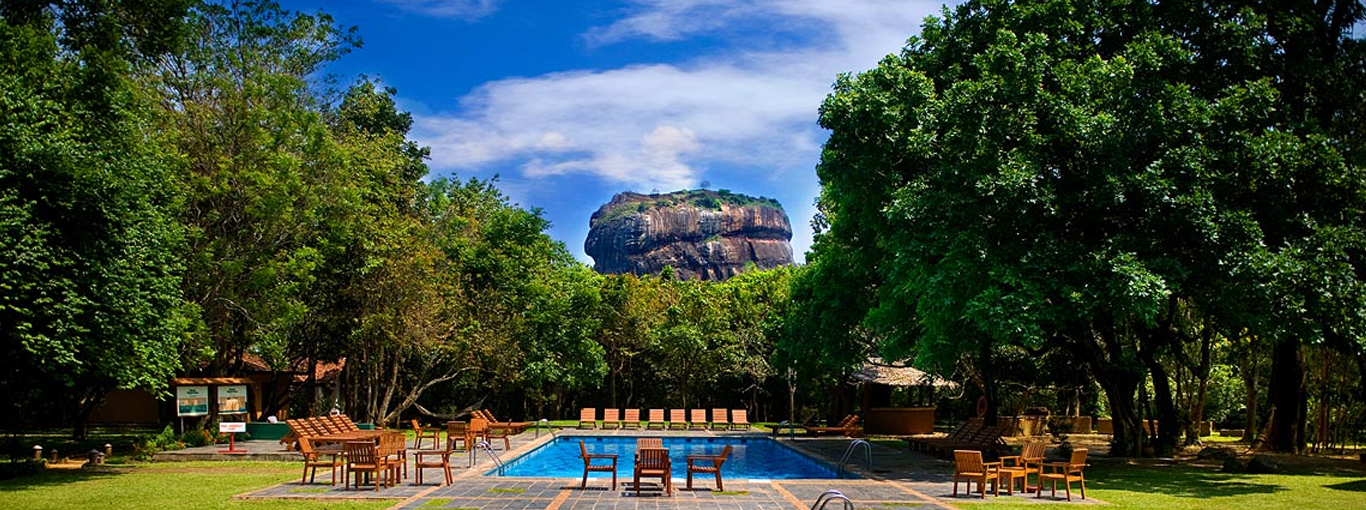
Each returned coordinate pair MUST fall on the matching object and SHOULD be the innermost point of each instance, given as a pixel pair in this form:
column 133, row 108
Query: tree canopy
column 1064, row 175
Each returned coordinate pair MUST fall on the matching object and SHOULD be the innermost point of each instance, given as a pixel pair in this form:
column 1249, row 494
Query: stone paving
column 899, row 480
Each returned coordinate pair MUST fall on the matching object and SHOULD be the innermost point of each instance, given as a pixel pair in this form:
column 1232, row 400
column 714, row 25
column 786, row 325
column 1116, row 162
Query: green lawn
column 1197, row 488
column 163, row 486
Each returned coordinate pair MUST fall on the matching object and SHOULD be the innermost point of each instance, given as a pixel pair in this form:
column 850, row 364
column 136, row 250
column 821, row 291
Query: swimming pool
column 751, row 458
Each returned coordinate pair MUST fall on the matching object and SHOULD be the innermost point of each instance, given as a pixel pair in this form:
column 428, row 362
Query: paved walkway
column 899, row 480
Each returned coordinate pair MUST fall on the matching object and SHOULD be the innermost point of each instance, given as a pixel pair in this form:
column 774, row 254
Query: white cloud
column 750, row 107
column 462, row 9
column 647, row 126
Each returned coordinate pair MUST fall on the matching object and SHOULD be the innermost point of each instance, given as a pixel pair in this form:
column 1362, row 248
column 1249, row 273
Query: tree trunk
column 1286, row 431
column 1167, row 421
column 1251, row 376
column 86, row 407
column 1202, row 389
column 1120, row 390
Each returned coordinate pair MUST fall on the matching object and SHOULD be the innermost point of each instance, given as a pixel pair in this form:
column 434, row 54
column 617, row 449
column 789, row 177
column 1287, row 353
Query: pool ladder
column 849, row 452
column 832, row 495
column 488, row 448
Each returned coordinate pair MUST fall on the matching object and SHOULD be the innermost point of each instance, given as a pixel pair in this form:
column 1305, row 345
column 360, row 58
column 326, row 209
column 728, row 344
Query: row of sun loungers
column 679, row 419
column 322, row 429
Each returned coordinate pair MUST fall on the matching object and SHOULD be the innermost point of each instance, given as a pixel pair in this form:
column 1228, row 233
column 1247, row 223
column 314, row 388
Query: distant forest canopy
column 1134, row 210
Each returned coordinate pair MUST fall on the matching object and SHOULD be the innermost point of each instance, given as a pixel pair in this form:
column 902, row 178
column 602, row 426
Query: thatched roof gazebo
column 879, row 379
column 897, row 374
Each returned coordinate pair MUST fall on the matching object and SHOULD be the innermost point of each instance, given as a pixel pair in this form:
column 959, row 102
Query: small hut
column 880, row 379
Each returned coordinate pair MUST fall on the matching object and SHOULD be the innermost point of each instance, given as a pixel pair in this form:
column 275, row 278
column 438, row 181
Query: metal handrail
column 826, row 497
column 848, row 452
column 484, row 445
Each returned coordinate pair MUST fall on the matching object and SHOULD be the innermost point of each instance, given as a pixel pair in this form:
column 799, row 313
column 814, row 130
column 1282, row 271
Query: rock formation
column 701, row 234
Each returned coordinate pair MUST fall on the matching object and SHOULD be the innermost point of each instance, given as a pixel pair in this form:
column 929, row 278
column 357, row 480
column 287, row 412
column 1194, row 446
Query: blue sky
column 570, row 102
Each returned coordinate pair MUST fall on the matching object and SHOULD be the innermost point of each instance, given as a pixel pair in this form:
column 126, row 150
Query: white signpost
column 231, row 428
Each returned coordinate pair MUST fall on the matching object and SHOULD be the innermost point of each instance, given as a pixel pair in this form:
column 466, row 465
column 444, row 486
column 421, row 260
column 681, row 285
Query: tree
column 88, row 238
column 1070, row 176
column 261, row 171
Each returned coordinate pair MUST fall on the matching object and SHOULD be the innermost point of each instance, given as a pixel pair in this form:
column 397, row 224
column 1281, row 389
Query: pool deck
column 899, row 480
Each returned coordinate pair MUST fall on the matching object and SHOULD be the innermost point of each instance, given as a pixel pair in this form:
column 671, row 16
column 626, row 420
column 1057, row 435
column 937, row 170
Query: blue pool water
column 751, row 458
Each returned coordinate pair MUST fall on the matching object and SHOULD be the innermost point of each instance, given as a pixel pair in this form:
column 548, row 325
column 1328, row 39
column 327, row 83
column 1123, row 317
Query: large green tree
column 1075, row 175
column 89, row 264
column 263, row 173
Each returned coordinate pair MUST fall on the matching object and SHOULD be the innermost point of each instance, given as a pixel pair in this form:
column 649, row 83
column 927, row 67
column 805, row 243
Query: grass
column 1195, row 487
column 163, row 486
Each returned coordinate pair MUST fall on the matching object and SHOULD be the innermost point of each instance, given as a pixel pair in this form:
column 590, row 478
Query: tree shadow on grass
column 1353, row 486
column 51, row 477
column 1177, row 481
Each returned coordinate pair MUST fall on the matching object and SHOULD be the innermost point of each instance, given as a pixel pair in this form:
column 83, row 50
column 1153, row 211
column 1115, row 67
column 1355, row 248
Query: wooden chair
column 434, row 458
column 1065, row 472
column 678, row 419
column 631, row 420
column 589, row 465
column 968, row 465
column 588, row 418
column 1020, row 466
column 313, row 460
column 656, row 420
column 697, row 419
column 708, row 464
column 719, row 421
column 362, row 457
column 393, row 452
column 652, row 463
column 739, row 418
column 455, row 433
column 421, row 433
column 611, row 418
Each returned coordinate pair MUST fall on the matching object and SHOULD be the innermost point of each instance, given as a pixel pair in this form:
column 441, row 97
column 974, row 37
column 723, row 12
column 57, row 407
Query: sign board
column 229, row 427
column 192, row 400
column 232, row 399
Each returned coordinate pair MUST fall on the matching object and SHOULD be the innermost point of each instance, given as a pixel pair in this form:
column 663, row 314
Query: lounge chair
column 632, row 419
column 968, row 465
column 847, row 427
column 708, row 464
column 739, row 419
column 719, row 420
column 678, row 419
column 652, row 463
column 589, row 465
column 656, row 420
column 611, row 418
column 588, row 418
column 514, row 427
column 1065, row 472
column 697, row 419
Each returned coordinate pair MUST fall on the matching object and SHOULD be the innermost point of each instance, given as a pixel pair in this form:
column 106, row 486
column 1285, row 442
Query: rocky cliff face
column 701, row 234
